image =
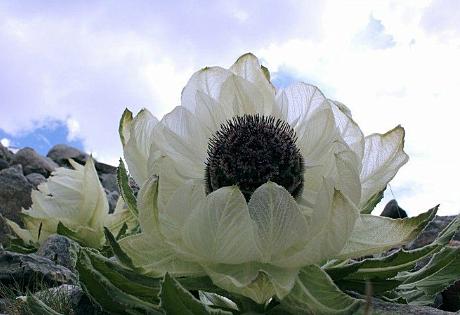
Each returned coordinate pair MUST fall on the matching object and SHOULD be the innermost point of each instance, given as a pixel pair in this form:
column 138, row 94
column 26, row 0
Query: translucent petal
column 154, row 256
column 299, row 101
column 220, row 229
column 383, row 156
column 138, row 135
column 242, row 95
column 209, row 81
column 169, row 181
column 147, row 205
column 248, row 67
column 349, row 130
column 257, row 281
column 279, row 223
column 375, row 234
column 182, row 138
column 173, row 217
column 330, row 226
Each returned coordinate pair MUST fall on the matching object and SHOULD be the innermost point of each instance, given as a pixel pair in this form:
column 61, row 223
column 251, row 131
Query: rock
column 384, row 308
column 109, row 181
column 36, row 179
column 5, row 231
column 60, row 154
column 60, row 250
column 432, row 231
column 112, row 198
column 393, row 210
column 32, row 162
column 3, row 164
column 105, row 168
column 32, row 271
column 15, row 192
column 5, row 154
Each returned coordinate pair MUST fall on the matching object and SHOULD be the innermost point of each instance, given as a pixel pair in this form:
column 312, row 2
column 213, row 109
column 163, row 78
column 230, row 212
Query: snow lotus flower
column 76, row 198
column 248, row 184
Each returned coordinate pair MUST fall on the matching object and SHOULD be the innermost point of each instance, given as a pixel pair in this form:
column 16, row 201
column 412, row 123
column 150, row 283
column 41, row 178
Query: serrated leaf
column 373, row 201
column 377, row 286
column 217, row 300
column 125, row 190
column 315, row 293
column 175, row 299
column 109, row 288
column 117, row 251
column 38, row 307
column 420, row 287
column 64, row 230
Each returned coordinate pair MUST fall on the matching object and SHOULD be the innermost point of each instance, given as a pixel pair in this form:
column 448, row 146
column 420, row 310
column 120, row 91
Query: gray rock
column 5, row 231
column 393, row 210
column 36, row 179
column 15, row 192
column 32, row 271
column 5, row 154
column 105, row 168
column 60, row 250
column 3, row 164
column 380, row 307
column 112, row 198
column 60, row 154
column 109, row 181
column 32, row 162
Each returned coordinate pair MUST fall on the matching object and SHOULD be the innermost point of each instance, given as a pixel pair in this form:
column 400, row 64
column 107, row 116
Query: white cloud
column 5, row 142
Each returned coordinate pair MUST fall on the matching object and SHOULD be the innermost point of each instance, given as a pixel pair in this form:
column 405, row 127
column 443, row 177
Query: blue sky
column 70, row 68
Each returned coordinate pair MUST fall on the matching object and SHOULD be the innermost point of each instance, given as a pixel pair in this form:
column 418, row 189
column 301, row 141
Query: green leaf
column 74, row 236
column 217, row 300
column 373, row 201
column 37, row 307
column 111, row 289
column 377, row 286
column 117, row 251
column 420, row 287
column 446, row 235
column 175, row 299
column 19, row 246
column 315, row 293
column 125, row 190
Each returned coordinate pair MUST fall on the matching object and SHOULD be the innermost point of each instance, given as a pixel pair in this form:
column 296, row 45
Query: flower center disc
column 250, row 150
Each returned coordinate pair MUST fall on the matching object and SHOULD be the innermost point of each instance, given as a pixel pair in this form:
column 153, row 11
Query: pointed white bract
column 256, row 247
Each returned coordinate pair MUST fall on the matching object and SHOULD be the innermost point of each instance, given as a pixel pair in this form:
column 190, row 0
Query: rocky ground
column 52, row 265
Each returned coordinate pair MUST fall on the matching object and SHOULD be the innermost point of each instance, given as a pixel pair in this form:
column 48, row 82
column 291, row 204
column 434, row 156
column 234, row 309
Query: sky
column 70, row 68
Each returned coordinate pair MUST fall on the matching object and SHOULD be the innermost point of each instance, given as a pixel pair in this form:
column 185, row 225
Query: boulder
column 15, row 192
column 36, row 179
column 60, row 250
column 393, row 210
column 32, row 162
column 109, row 181
column 60, row 153
column 32, row 271
column 5, row 154
column 3, row 164
column 103, row 168
column 112, row 198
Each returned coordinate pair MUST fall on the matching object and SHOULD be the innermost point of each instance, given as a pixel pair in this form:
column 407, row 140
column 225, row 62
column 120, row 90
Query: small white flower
column 76, row 198
column 248, row 184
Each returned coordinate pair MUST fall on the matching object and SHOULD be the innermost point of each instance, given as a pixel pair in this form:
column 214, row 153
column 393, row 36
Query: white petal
column 349, row 130
column 154, row 257
column 181, row 137
column 138, row 135
column 300, row 101
column 220, row 229
column 179, row 208
column 383, row 156
column 169, row 181
column 278, row 221
column 248, row 67
column 147, row 205
column 375, row 234
column 243, row 96
column 209, row 81
column 330, row 226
